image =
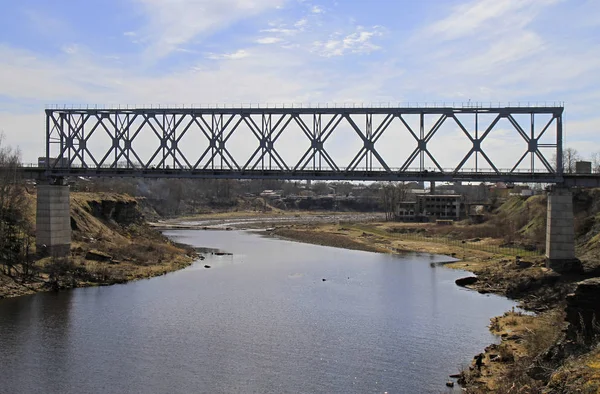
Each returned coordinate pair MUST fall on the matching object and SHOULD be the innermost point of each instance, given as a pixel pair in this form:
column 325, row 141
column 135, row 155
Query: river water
column 261, row 320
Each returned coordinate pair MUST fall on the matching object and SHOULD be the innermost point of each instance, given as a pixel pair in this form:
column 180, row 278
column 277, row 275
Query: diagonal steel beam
column 436, row 127
column 490, row 127
column 285, row 125
column 366, row 141
column 518, row 127
column 462, row 127
column 519, row 162
column 357, row 159
column 383, row 127
column 545, row 128
column 331, row 126
column 545, row 162
column 464, row 160
column 303, row 126
column 489, row 162
column 434, row 161
column 413, row 156
column 410, row 130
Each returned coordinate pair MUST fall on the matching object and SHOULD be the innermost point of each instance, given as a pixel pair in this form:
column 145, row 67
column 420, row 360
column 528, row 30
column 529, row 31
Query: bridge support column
column 560, row 232
column 53, row 222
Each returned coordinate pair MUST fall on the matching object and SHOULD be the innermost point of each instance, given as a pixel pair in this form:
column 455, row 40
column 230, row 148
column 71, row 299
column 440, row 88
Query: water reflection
column 44, row 321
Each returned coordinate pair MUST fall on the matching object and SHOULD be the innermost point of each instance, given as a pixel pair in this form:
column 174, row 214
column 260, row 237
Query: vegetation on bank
column 111, row 243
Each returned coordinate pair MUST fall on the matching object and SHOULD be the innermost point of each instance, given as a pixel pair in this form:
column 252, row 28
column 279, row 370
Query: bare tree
column 12, row 202
column 392, row 194
column 570, row 157
column 596, row 162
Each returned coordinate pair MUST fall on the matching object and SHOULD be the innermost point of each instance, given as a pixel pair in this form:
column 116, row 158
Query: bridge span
column 366, row 144
column 468, row 143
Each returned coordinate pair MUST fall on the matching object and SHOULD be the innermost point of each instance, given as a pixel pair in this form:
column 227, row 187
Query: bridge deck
column 568, row 180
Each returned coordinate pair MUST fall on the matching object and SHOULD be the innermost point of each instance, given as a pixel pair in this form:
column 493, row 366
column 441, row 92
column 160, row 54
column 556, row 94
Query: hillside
column 111, row 243
column 527, row 218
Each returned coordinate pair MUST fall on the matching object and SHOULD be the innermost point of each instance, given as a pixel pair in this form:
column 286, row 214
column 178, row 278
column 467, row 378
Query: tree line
column 16, row 232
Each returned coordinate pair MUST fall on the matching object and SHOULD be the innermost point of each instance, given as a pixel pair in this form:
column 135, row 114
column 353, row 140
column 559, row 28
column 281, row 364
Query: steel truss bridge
column 196, row 143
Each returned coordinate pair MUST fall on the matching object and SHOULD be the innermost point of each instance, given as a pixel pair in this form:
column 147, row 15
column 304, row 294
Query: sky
column 207, row 52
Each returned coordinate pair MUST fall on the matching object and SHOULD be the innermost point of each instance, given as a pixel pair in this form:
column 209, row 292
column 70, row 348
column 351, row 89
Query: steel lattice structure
column 70, row 149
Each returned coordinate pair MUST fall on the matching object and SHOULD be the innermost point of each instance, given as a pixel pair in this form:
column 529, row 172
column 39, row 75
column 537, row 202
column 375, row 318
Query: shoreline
column 11, row 288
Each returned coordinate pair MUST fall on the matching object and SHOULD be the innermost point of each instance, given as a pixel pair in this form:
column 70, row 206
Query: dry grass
column 136, row 251
column 524, row 339
column 578, row 375
column 310, row 234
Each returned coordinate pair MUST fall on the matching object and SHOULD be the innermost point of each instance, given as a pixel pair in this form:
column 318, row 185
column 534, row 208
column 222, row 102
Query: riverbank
column 111, row 243
column 85, row 273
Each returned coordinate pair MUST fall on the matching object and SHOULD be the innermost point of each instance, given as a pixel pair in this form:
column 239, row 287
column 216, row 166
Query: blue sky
column 275, row 51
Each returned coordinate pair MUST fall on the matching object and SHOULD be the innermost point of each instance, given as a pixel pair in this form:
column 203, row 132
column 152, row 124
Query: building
column 440, row 206
column 583, row 167
column 407, row 211
column 431, row 207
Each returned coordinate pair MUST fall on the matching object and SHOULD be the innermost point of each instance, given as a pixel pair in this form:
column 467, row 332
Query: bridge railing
column 465, row 170
column 379, row 104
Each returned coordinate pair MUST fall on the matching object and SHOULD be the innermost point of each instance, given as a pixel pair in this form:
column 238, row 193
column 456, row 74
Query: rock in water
column 469, row 280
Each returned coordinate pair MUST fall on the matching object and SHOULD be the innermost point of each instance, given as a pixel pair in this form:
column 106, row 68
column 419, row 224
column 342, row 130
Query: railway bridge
column 465, row 143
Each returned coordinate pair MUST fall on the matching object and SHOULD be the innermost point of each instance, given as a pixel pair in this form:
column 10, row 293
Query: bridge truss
column 198, row 143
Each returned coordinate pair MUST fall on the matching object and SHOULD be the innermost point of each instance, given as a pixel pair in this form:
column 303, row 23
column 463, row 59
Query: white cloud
column 301, row 23
column 359, row 42
column 70, row 49
column 280, row 30
column 268, row 40
column 316, row 9
column 172, row 23
column 477, row 16
column 240, row 54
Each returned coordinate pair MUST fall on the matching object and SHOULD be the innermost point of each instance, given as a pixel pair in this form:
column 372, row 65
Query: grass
column 525, row 338
column 431, row 233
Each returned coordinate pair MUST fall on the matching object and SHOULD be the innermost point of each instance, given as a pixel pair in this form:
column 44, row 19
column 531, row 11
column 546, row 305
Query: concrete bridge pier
column 53, row 222
column 560, row 232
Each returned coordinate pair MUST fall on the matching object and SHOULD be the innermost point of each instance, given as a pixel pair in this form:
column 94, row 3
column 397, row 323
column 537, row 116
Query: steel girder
column 69, row 133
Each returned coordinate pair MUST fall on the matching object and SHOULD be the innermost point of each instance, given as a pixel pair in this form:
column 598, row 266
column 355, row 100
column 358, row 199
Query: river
column 260, row 320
